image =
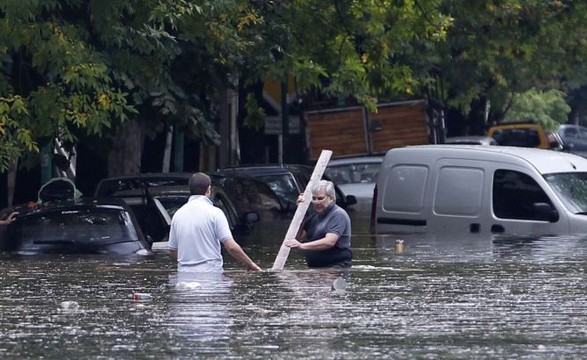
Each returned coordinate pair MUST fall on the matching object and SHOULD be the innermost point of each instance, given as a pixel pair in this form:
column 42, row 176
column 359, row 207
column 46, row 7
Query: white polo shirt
column 197, row 229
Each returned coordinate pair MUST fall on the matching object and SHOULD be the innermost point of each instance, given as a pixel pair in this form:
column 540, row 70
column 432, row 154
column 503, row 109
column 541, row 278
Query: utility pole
column 284, row 120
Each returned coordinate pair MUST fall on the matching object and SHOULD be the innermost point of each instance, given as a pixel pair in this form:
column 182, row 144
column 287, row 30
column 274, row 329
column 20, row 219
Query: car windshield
column 571, row 188
column 76, row 225
column 353, row 173
column 575, row 132
column 172, row 204
column 249, row 194
column 517, row 137
column 283, row 185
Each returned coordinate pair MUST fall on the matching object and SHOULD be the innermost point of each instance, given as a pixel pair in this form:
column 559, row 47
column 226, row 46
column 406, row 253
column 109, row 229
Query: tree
column 53, row 83
column 91, row 69
column 339, row 49
column 499, row 48
column 548, row 108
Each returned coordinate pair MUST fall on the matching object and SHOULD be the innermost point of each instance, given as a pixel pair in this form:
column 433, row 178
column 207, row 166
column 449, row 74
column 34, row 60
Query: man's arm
column 10, row 218
column 236, row 251
column 321, row 244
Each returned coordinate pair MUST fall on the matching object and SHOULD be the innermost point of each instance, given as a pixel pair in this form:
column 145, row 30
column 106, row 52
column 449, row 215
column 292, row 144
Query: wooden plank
column 298, row 217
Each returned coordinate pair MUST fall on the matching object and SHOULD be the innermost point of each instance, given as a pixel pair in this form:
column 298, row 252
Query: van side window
column 459, row 191
column 514, row 194
column 404, row 189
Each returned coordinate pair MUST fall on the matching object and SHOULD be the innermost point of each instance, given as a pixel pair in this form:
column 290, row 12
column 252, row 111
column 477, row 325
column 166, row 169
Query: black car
column 155, row 197
column 251, row 194
column 81, row 226
column 286, row 180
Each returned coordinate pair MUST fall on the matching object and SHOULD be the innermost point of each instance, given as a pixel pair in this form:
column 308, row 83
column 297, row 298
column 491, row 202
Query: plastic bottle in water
column 142, row 296
column 338, row 284
column 399, row 246
column 69, row 305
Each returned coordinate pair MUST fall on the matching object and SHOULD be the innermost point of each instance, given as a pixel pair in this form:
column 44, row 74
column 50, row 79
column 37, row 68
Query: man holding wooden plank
column 326, row 231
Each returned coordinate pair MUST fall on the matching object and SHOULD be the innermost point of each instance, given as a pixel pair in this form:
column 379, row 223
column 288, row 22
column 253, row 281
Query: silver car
column 574, row 139
column 356, row 176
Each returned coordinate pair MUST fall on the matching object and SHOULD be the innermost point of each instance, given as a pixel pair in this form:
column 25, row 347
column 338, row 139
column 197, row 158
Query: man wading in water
column 326, row 235
column 199, row 228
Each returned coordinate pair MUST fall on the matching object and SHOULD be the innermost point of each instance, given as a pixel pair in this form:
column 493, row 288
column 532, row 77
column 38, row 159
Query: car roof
column 263, row 169
column 356, row 160
column 545, row 161
column 108, row 186
column 83, row 203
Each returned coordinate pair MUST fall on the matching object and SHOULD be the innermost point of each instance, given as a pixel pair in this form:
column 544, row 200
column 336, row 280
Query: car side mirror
column 545, row 212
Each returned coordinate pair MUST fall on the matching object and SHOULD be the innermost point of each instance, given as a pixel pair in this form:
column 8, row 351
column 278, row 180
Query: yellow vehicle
column 523, row 134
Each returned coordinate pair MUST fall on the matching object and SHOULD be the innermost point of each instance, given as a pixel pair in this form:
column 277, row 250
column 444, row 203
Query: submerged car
column 286, row 180
column 251, row 194
column 486, row 190
column 83, row 226
column 356, row 176
column 155, row 197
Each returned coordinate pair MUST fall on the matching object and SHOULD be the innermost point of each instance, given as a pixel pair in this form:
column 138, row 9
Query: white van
column 480, row 190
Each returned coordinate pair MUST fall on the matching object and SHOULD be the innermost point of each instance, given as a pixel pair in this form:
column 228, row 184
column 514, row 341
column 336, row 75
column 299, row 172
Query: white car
column 356, row 176
column 485, row 190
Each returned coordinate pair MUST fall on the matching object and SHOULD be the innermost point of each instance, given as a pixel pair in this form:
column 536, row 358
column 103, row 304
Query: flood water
column 438, row 299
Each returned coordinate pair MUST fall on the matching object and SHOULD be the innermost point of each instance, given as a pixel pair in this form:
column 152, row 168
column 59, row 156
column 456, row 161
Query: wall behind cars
column 353, row 131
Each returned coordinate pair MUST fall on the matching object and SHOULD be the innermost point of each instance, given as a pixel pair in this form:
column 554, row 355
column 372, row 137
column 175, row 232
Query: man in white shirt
column 199, row 228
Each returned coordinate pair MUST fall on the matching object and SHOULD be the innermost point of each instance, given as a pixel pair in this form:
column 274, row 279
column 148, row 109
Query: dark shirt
column 333, row 219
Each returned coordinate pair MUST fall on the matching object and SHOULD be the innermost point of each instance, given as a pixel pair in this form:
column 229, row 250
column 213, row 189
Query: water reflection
column 438, row 298
column 199, row 310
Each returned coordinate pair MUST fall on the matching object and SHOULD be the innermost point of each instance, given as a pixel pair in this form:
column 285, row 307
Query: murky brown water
column 439, row 298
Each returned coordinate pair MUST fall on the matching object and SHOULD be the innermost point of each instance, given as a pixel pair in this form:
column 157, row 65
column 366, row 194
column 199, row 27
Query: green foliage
column 78, row 69
column 548, row 108
column 13, row 137
column 255, row 114
column 495, row 48
column 56, row 83
column 341, row 48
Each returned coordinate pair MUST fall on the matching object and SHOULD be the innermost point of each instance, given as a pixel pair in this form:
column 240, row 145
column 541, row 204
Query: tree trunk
column 125, row 154
column 11, row 180
column 167, row 150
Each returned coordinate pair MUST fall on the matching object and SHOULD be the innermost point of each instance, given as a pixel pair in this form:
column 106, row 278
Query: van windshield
column 571, row 188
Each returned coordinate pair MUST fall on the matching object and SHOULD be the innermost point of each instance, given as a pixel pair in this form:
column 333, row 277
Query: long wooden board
column 298, row 217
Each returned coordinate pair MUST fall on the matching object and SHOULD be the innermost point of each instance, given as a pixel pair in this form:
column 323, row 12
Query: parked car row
column 155, row 197
column 128, row 214
column 525, row 133
column 287, row 181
